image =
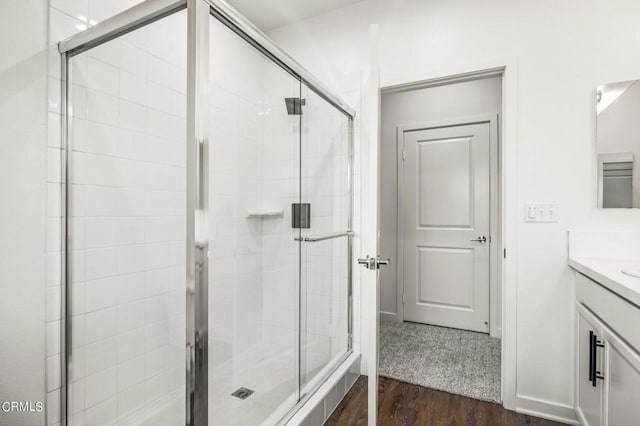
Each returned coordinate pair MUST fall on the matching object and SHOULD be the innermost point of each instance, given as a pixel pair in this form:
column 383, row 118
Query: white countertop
column 608, row 273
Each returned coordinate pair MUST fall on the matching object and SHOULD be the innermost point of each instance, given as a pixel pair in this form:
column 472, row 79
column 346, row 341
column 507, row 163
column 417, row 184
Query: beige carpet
column 456, row 361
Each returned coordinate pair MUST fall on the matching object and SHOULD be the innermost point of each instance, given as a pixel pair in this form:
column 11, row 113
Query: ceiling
column 270, row 14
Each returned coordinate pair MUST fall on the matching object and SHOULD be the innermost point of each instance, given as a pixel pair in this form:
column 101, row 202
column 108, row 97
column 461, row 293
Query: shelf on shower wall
column 263, row 214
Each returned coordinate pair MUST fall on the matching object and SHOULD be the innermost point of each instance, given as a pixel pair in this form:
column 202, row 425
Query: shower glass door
column 126, row 186
column 218, row 230
column 325, row 252
column 254, row 257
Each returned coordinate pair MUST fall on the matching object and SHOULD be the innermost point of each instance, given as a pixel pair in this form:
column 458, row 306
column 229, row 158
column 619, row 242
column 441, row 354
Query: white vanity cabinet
column 607, row 356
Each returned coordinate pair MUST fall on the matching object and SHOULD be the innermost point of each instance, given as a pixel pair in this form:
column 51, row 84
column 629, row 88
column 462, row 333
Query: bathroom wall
column 23, row 133
column 562, row 50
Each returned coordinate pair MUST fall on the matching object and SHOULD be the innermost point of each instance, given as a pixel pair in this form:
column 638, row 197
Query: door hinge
column 403, row 297
column 504, row 253
column 403, row 155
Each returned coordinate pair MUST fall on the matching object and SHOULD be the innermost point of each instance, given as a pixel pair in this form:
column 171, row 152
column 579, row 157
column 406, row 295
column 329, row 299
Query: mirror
column 618, row 144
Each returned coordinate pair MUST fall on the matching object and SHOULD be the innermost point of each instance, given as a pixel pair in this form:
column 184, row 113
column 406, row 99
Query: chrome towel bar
column 316, row 238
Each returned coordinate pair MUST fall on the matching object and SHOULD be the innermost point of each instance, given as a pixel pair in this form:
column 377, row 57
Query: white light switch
column 541, row 212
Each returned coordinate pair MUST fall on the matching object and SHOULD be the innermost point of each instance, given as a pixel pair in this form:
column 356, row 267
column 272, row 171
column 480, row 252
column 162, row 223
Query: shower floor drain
column 242, row 393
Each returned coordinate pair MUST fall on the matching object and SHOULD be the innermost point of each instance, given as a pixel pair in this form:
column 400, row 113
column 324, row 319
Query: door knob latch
column 373, row 262
column 481, row 239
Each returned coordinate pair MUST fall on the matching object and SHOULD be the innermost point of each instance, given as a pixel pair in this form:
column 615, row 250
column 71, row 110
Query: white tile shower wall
column 128, row 193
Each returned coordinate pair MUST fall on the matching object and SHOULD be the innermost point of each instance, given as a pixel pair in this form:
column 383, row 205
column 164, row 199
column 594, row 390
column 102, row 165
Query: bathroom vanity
column 607, row 321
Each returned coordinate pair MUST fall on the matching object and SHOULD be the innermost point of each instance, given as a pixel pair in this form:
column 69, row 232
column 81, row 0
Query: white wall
column 467, row 99
column 22, row 212
column 563, row 50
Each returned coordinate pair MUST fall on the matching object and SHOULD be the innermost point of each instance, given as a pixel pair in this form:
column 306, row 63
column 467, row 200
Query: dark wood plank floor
column 402, row 403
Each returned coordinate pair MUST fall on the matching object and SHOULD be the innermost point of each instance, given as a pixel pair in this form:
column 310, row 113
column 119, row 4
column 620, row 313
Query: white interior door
column 370, row 148
column 446, row 224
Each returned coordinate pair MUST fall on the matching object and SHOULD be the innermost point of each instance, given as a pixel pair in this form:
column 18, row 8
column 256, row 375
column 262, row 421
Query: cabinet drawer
column 617, row 313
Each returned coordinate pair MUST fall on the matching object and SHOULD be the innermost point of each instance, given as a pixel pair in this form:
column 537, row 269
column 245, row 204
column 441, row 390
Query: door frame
column 494, row 206
column 400, row 78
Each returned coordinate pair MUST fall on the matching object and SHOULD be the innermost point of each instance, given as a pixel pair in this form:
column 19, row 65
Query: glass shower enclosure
column 208, row 196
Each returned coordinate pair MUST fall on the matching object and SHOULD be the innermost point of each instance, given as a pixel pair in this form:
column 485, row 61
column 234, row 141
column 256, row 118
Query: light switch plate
column 541, row 212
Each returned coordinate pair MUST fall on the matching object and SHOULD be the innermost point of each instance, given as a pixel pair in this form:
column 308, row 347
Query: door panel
column 446, row 195
column 622, row 375
column 452, row 268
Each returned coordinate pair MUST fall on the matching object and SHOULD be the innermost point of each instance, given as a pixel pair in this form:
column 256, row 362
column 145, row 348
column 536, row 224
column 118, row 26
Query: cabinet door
column 622, row 382
column 589, row 397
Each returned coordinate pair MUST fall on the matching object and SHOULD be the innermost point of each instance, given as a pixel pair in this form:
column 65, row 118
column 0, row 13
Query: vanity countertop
column 608, row 273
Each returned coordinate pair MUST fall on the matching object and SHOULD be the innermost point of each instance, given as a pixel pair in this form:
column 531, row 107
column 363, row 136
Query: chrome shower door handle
column 481, row 239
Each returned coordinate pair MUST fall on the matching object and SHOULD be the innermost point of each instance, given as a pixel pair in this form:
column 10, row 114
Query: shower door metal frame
column 198, row 13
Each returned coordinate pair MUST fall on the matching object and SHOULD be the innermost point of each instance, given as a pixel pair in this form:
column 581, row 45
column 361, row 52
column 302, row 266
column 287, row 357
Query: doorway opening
column 440, row 301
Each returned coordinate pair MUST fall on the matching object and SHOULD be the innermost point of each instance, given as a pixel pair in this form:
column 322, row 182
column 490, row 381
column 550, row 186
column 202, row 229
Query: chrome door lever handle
column 481, row 239
column 373, row 262
column 367, row 262
column 383, row 262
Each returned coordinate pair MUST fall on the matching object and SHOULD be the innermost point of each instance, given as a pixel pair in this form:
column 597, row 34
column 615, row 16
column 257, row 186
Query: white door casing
column 507, row 211
column 445, row 198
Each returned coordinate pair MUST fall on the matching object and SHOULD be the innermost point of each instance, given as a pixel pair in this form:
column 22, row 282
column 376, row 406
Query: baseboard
column 546, row 409
column 388, row 316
